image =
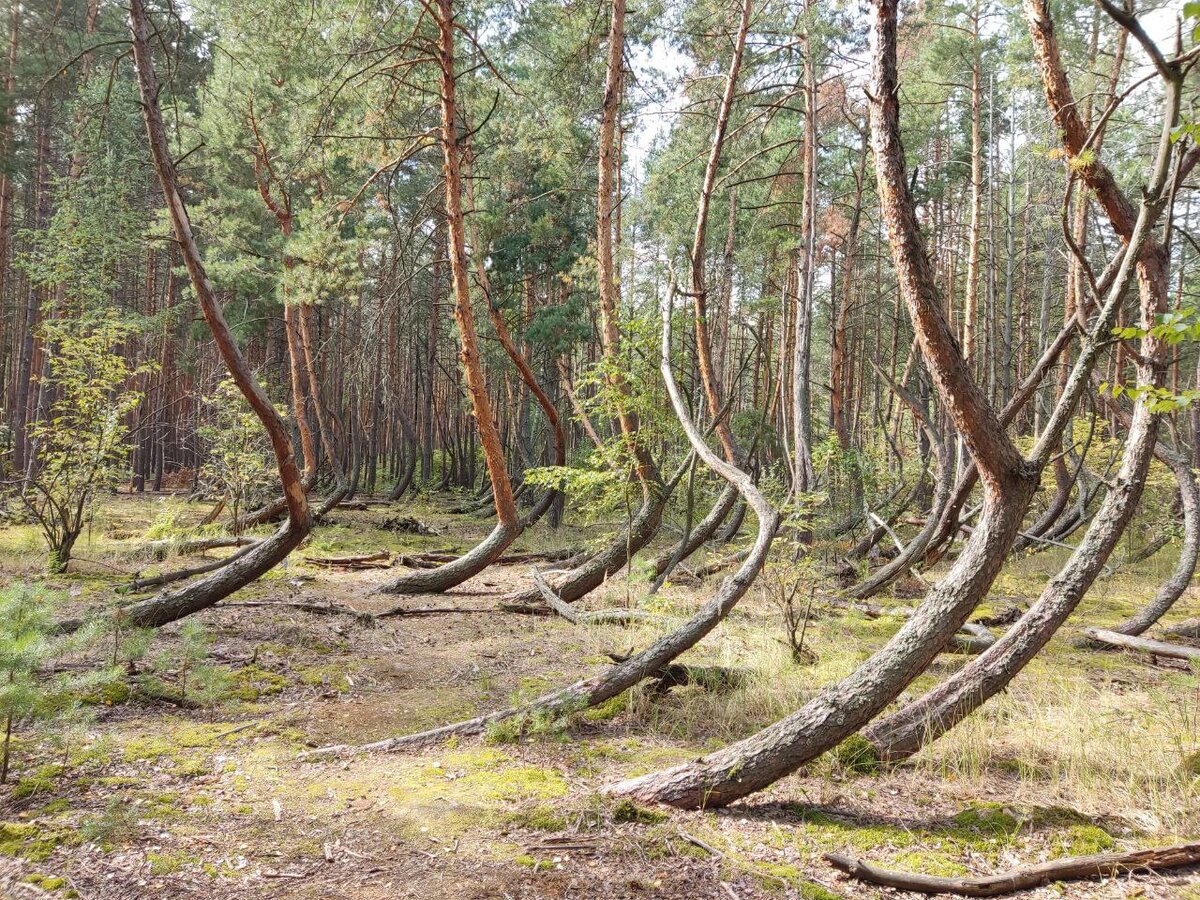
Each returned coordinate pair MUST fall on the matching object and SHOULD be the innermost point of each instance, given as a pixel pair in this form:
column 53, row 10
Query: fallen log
column 1189, row 628
column 432, row 559
column 380, row 560
column 971, row 638
column 1142, row 645
column 189, row 546
column 407, row 525
column 401, row 612
column 715, row 567
column 1072, row 868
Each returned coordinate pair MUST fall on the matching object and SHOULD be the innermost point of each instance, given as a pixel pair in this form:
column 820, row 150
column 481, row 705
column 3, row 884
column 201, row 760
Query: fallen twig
column 615, row 616
column 1073, row 868
column 400, row 611
column 320, row 609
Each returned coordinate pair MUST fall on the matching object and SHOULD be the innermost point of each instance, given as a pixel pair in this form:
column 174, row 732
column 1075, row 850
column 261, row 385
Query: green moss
column 32, row 841
column 251, row 682
column 192, row 768
column 929, row 862
column 179, row 735
column 626, row 810
column 858, row 755
column 43, row 781
column 1083, row 840
column 609, row 709
column 111, row 693
column 45, row 882
column 327, row 676
column 986, row 821
column 538, row 865
column 541, row 817
column 828, row 832
column 775, row 876
column 167, row 863
column 810, row 890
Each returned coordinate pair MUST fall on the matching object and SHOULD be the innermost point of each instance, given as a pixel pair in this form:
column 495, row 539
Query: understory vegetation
column 563, row 449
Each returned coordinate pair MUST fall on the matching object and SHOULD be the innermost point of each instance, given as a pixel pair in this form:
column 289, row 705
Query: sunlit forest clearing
column 564, row 450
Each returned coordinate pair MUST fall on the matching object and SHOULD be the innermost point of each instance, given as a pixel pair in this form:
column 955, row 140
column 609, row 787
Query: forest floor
column 1087, row 751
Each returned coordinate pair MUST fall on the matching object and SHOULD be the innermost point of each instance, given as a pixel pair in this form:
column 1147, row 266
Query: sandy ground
column 160, row 800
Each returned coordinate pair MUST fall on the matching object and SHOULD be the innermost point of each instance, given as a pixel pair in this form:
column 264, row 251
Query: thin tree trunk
column 508, row 525
column 1009, row 483
column 170, row 606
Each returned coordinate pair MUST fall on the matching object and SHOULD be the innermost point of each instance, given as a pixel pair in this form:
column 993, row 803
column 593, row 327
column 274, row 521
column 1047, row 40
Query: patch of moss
column 810, row 890
column 986, row 821
column 177, row 735
column 32, row 841
column 1083, row 840
column 1056, row 817
column 43, row 781
column 538, row 865
column 858, row 755
column 112, row 693
column 167, row 863
column 929, row 862
column 609, row 709
column 829, row 832
column 192, row 768
column 327, row 676
column 541, row 817
column 253, row 681
column 626, row 810
column 45, row 882
column 775, row 876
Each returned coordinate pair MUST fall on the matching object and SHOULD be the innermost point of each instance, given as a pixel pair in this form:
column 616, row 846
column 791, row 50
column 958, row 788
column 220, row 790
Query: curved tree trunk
column 508, row 526
column 734, row 525
column 592, row 573
column 915, row 548
column 410, row 464
column 1172, row 589
column 1009, row 483
column 697, row 536
column 624, row 675
column 708, row 374
column 173, row 605
column 949, row 524
column 905, row 731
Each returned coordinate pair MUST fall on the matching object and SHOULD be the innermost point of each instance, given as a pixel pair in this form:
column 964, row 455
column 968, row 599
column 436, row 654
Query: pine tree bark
column 170, row 606
column 1009, row 483
column 508, row 525
column 905, row 731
